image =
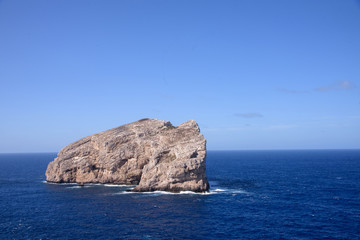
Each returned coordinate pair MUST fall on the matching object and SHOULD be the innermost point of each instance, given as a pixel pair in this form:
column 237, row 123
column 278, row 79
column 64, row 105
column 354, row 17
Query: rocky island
column 152, row 154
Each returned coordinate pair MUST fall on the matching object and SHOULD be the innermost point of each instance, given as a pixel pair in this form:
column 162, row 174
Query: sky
column 255, row 75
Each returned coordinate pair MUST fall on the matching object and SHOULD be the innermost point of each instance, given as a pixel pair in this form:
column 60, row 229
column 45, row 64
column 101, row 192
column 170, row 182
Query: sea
column 293, row 194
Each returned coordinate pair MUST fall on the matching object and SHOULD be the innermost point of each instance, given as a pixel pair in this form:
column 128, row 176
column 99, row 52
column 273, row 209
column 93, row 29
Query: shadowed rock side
column 149, row 153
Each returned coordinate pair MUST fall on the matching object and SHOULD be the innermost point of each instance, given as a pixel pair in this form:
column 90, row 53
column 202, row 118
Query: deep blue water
column 254, row 195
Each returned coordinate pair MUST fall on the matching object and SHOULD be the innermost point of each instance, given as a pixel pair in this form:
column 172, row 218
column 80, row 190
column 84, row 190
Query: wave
column 157, row 193
column 59, row 183
column 217, row 190
column 211, row 192
column 229, row 191
column 119, row 185
column 92, row 184
column 77, row 187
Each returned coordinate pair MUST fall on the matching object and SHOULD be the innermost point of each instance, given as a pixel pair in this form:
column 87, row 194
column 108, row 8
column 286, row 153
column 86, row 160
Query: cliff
column 150, row 153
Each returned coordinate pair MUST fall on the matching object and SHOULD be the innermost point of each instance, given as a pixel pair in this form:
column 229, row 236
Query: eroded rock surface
column 149, row 153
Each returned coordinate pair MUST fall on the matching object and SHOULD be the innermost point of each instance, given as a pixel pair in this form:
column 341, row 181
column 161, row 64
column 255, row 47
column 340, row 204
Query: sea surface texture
column 254, row 195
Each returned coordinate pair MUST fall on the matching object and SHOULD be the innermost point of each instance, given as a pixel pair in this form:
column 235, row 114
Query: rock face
column 149, row 153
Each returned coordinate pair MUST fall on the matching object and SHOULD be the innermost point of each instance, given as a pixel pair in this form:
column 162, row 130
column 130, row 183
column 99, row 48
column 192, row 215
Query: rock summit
column 150, row 153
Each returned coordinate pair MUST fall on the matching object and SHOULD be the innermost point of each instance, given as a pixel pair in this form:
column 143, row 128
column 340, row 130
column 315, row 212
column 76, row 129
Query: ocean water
column 254, row 195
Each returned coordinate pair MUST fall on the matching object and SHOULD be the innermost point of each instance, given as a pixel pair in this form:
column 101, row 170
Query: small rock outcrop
column 150, row 153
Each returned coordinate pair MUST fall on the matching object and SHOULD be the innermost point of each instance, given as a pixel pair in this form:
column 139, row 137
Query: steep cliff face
column 150, row 153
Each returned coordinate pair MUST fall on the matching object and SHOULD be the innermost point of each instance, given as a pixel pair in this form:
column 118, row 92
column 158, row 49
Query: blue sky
column 253, row 74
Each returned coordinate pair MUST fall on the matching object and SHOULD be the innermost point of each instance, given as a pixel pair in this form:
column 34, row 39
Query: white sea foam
column 59, row 183
column 120, row 185
column 219, row 190
column 211, row 192
column 77, row 187
column 190, row 192
column 73, row 187
column 92, row 184
column 157, row 193
column 154, row 193
column 239, row 191
column 228, row 191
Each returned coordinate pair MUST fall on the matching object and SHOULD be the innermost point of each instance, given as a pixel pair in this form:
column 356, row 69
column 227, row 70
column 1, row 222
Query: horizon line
column 218, row 150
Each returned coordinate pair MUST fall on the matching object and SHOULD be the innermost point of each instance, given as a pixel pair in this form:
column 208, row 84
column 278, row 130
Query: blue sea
column 308, row 194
